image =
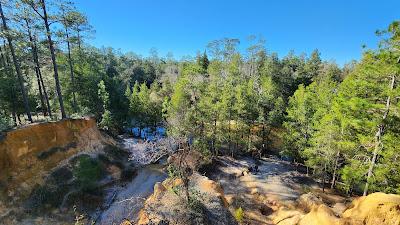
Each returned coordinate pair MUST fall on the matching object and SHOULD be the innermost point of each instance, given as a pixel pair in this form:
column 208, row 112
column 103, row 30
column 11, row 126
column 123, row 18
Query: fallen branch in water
column 150, row 152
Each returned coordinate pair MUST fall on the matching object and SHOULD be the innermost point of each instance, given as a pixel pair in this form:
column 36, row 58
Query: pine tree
column 107, row 121
column 364, row 105
column 298, row 123
column 45, row 18
column 16, row 64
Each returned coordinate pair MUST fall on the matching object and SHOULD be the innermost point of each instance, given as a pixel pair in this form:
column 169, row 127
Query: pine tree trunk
column 335, row 170
column 229, row 137
column 46, row 97
column 263, row 138
column 378, row 137
column 3, row 59
column 37, row 64
column 214, row 137
column 71, row 68
column 373, row 160
column 17, row 67
column 14, row 115
column 53, row 59
column 248, row 139
column 36, row 68
column 43, row 106
column 19, row 119
column 6, row 67
column 79, row 41
column 323, row 178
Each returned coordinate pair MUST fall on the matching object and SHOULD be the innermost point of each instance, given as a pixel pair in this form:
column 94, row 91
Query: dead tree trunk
column 378, row 138
column 17, row 66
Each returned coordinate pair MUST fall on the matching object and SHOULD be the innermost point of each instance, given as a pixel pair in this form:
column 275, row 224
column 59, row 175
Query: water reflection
column 148, row 133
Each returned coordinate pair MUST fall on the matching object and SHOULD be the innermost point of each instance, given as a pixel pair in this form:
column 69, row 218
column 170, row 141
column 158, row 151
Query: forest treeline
column 341, row 122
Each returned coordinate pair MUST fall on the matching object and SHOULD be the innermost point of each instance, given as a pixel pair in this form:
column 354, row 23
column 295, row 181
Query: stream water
column 128, row 200
column 125, row 202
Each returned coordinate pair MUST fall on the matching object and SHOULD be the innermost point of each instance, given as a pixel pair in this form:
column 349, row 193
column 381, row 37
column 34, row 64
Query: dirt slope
column 278, row 194
column 260, row 193
column 29, row 153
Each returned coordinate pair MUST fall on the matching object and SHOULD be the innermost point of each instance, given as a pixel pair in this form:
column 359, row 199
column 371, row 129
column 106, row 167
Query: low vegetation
column 88, row 172
column 239, row 214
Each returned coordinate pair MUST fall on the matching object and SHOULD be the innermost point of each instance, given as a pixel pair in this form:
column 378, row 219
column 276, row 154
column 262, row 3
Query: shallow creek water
column 128, row 200
column 125, row 202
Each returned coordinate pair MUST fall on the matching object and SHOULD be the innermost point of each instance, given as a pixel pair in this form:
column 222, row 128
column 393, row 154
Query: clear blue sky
column 338, row 28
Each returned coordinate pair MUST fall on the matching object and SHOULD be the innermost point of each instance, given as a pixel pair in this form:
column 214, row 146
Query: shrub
column 239, row 214
column 87, row 172
column 203, row 148
column 195, row 200
column 4, row 123
column 173, row 172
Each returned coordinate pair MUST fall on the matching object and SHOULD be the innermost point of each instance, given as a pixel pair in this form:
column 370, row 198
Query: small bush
column 88, row 171
column 305, row 189
column 195, row 198
column 173, row 172
column 239, row 214
column 5, row 123
column 203, row 148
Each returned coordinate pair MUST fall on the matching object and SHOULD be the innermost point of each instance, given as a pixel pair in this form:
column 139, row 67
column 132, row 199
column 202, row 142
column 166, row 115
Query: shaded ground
column 259, row 193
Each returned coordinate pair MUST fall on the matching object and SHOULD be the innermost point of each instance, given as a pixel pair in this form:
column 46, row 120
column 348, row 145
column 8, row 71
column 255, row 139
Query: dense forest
column 341, row 122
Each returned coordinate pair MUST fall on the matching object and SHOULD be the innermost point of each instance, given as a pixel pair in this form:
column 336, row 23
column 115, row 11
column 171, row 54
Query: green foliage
column 4, row 123
column 298, row 123
column 145, row 105
column 107, row 121
column 220, row 108
column 239, row 214
column 195, row 200
column 173, row 172
column 333, row 127
column 87, row 172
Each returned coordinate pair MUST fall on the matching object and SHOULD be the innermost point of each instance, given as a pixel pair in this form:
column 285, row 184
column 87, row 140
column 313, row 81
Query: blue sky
column 338, row 28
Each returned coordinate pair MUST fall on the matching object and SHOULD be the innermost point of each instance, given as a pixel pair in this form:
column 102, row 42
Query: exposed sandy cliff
column 26, row 154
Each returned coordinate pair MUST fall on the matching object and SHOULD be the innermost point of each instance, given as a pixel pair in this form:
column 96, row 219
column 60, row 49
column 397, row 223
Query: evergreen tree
column 106, row 122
